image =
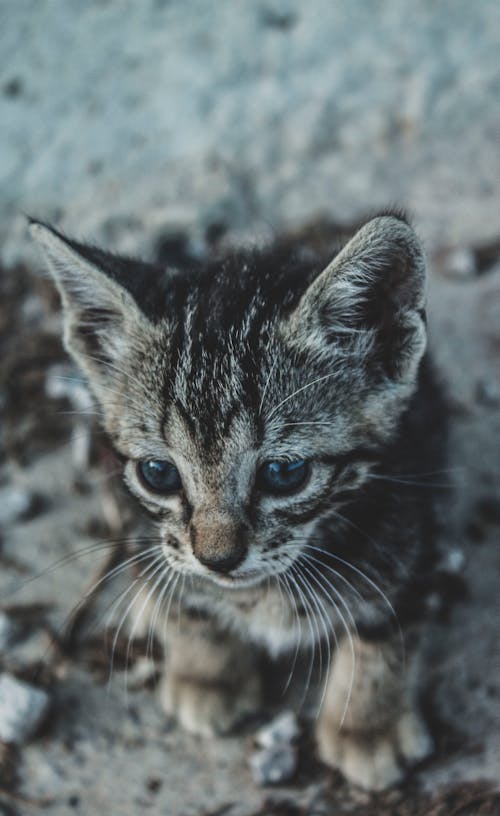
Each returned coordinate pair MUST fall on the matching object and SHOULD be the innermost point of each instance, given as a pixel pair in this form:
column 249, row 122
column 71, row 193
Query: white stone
column 22, row 709
column 274, row 764
column 282, row 730
column 62, row 382
column 7, row 631
column 454, row 562
column 461, row 263
column 15, row 502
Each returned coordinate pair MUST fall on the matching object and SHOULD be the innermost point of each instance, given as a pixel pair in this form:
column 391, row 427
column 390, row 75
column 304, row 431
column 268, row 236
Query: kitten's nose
column 218, row 544
column 226, row 563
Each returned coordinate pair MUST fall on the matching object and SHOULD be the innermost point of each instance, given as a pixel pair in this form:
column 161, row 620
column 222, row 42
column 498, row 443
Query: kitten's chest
column 264, row 616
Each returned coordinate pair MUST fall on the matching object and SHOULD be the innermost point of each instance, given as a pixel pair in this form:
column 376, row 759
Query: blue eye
column 160, row 476
column 282, row 477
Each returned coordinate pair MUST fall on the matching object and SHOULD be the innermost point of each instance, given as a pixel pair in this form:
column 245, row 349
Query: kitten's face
column 237, row 487
column 248, row 407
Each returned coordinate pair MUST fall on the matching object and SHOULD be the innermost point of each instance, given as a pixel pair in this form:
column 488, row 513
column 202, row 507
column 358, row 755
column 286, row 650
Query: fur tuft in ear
column 369, row 302
column 101, row 317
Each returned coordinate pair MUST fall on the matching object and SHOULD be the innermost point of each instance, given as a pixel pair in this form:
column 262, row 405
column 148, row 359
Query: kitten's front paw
column 376, row 761
column 209, row 707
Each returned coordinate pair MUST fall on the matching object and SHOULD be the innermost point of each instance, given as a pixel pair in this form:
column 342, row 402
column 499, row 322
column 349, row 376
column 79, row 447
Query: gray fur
column 324, row 367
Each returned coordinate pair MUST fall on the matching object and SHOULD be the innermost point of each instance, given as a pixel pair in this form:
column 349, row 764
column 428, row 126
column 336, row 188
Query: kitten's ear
column 370, row 301
column 101, row 317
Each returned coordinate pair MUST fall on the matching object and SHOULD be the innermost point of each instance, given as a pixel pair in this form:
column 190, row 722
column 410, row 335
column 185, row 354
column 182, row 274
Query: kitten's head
column 249, row 397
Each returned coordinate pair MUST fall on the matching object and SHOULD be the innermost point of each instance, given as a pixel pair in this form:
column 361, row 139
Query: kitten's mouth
column 231, row 581
column 228, row 580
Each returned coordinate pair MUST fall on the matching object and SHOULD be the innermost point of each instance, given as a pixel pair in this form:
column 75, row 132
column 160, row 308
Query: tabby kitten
column 266, row 406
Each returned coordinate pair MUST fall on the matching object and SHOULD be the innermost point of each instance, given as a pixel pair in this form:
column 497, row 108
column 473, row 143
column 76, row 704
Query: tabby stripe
column 308, row 509
column 359, row 454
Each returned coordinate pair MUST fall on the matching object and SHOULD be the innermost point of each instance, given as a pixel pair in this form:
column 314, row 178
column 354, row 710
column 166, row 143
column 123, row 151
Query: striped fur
column 256, row 356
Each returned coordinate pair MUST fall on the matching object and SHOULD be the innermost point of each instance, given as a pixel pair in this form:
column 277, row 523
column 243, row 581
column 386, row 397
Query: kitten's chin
column 250, row 579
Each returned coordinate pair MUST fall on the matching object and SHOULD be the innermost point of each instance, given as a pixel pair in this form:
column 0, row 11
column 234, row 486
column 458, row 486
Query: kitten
column 266, row 407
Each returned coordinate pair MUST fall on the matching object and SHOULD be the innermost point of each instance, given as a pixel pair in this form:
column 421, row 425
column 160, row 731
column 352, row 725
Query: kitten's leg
column 381, row 732
column 211, row 679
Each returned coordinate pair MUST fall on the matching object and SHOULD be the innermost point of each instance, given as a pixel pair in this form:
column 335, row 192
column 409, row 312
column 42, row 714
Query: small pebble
column 434, row 602
column 62, row 383
column 274, row 764
column 15, row 504
column 8, row 631
column 283, row 729
column 460, row 263
column 143, row 670
column 276, row 759
column 22, row 709
column 454, row 562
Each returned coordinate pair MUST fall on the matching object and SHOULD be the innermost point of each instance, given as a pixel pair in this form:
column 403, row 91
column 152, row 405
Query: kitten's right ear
column 101, row 317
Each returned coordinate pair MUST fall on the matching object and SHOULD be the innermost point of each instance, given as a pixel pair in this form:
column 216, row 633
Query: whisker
column 376, row 589
column 299, row 391
column 169, row 606
column 323, row 423
column 409, row 482
column 298, row 627
column 67, row 559
column 271, row 372
column 163, row 570
column 77, row 615
column 153, row 567
column 307, row 609
column 334, row 572
column 179, row 599
column 282, row 600
column 323, row 618
column 156, row 612
column 312, row 561
column 111, row 366
column 348, row 635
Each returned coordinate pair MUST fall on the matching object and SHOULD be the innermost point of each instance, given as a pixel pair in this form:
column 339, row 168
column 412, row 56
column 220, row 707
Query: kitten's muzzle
column 220, row 547
column 225, row 564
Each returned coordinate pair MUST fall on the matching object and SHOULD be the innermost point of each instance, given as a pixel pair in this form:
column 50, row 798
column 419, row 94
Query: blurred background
column 123, row 120
column 160, row 127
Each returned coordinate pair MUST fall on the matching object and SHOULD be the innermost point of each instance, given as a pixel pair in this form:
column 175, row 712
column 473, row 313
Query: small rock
column 8, row 631
column 460, row 263
column 276, row 759
column 16, row 504
column 61, row 383
column 81, row 443
column 26, row 649
column 434, row 602
column 283, row 729
column 22, row 709
column 143, row 671
column 274, row 764
column 454, row 562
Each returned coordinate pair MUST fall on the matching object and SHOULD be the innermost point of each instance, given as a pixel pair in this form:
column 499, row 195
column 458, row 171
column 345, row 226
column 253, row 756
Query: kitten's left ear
column 102, row 317
column 369, row 302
